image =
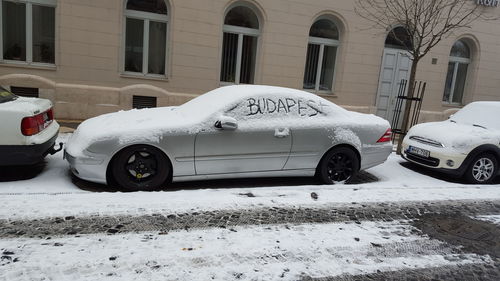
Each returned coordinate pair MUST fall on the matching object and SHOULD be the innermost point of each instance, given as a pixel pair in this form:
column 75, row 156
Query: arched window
column 28, row 31
column 321, row 56
column 239, row 46
column 399, row 38
column 146, row 37
column 460, row 58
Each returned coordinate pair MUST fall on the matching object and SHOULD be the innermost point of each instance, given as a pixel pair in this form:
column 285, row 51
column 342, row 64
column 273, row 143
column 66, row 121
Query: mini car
column 466, row 145
column 28, row 128
column 231, row 132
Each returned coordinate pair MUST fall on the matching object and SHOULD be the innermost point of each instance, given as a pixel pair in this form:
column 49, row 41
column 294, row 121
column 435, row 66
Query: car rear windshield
column 6, row 96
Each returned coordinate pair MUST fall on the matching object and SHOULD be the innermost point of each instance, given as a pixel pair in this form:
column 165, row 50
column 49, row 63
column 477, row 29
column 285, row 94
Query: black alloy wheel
column 339, row 165
column 141, row 167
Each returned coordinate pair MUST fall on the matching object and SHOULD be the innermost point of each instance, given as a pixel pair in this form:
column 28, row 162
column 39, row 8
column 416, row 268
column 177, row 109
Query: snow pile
column 495, row 219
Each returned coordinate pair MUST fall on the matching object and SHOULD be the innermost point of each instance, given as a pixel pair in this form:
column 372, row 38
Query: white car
column 28, row 128
column 231, row 132
column 467, row 144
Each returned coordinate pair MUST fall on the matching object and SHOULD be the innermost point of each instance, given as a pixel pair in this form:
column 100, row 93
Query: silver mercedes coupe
column 230, row 132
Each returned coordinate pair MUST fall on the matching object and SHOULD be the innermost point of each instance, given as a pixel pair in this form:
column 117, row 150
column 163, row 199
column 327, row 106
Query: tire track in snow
column 71, row 225
column 485, row 271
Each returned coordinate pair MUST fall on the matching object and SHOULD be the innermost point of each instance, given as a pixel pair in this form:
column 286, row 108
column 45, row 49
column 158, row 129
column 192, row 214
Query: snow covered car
column 28, row 128
column 230, row 132
column 467, row 144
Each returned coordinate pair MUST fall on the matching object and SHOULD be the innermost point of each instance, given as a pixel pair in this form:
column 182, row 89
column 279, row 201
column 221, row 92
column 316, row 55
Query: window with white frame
column 28, row 31
column 321, row 55
column 146, row 37
column 239, row 47
column 460, row 58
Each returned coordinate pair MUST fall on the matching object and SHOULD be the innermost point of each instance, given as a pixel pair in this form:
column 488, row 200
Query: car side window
column 272, row 107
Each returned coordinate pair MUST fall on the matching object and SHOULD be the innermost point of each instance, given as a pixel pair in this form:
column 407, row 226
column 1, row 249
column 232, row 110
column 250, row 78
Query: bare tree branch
column 427, row 21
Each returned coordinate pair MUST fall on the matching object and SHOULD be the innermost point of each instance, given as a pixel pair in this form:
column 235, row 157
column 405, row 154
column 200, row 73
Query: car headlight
column 426, row 141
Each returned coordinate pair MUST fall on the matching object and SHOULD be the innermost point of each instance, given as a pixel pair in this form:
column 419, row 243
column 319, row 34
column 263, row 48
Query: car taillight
column 50, row 114
column 386, row 137
column 35, row 124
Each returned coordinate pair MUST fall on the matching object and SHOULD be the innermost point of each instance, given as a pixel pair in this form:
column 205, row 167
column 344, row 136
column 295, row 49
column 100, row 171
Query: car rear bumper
column 375, row 155
column 16, row 155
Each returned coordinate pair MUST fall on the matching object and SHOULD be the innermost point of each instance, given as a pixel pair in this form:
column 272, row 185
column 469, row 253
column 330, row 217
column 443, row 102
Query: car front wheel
column 339, row 165
column 140, row 167
column 482, row 170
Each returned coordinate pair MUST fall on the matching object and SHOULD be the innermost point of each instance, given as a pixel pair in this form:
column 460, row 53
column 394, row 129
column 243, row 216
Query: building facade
column 92, row 56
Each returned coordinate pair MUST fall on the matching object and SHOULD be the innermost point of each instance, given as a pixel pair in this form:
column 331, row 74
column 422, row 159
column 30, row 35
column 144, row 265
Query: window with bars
column 25, row 91
column 321, row 56
column 457, row 73
column 239, row 47
column 146, row 37
column 143, row 102
column 28, row 31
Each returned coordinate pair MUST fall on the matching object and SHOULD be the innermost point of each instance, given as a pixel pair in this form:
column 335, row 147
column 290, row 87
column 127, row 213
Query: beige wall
column 87, row 79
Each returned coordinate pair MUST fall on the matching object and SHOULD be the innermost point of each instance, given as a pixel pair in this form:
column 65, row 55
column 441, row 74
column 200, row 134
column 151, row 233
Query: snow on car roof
column 481, row 113
column 225, row 96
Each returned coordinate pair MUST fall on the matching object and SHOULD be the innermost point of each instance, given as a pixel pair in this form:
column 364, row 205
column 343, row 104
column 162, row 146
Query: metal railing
column 415, row 107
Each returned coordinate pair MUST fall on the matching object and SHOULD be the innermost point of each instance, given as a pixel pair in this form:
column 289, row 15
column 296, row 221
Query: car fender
column 120, row 148
column 125, row 145
column 490, row 148
column 343, row 137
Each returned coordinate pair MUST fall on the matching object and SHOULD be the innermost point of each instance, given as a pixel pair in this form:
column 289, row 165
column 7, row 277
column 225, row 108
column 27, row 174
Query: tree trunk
column 410, row 94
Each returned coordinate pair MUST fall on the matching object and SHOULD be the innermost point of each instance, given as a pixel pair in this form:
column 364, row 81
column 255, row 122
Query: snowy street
column 394, row 222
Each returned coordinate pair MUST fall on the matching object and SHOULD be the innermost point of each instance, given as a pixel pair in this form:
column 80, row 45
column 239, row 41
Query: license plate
column 419, row 151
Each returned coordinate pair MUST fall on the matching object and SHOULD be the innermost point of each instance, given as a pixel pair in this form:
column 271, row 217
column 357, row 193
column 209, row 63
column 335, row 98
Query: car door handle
column 281, row 132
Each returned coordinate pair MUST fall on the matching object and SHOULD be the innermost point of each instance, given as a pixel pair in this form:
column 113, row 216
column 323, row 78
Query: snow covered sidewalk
column 274, row 252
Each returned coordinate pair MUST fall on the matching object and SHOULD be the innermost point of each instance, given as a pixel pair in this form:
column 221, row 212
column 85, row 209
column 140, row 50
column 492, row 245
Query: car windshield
column 479, row 114
column 6, row 96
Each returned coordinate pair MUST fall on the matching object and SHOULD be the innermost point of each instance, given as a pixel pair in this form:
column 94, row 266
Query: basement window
column 143, row 102
column 25, row 91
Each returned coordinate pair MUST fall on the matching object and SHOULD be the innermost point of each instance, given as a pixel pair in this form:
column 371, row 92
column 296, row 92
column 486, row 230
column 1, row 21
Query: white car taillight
column 35, row 124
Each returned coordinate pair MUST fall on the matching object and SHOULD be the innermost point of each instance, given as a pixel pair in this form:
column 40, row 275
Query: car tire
column 338, row 165
column 141, row 167
column 482, row 169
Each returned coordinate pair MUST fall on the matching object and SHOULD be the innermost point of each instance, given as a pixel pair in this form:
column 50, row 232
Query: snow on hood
column 458, row 136
column 145, row 125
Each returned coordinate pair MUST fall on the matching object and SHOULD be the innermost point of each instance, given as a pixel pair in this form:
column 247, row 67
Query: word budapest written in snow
column 284, row 105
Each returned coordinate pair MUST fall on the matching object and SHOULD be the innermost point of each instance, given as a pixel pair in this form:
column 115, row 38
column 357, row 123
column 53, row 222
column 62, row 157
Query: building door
column 396, row 65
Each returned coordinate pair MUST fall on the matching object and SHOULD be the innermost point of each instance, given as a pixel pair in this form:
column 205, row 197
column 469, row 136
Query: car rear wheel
column 141, row 167
column 482, row 169
column 338, row 165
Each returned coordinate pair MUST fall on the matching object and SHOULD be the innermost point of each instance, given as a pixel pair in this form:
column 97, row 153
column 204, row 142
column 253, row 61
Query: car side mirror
column 226, row 123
